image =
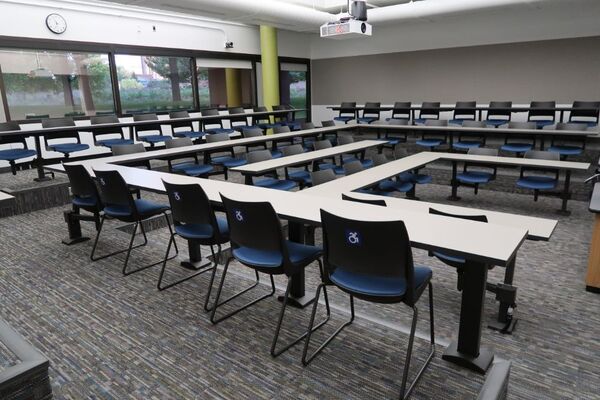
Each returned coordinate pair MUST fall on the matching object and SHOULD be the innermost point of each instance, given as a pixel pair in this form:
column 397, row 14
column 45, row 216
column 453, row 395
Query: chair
column 372, row 261
column 120, row 205
column 524, row 143
column 391, row 185
column 286, row 118
column 216, row 122
column 569, row 145
column 124, row 149
column 394, row 141
column 543, row 113
column 255, row 131
column 467, row 141
column 13, row 154
column 283, row 129
column 373, row 202
column 325, row 163
column 270, row 183
column 332, row 137
column 498, row 113
column 475, row 173
column 540, row 178
column 84, row 193
column 238, row 122
column 370, row 113
column 464, row 111
column 152, row 138
column 257, row 242
column 585, row 112
column 300, row 174
column 115, row 135
column 433, row 140
column 451, row 260
column 187, row 127
column 327, row 123
column 264, row 122
column 322, row 176
column 189, row 164
column 65, row 148
column 226, row 161
column 195, row 221
column 413, row 176
column 347, row 112
column 429, row 110
column 307, row 142
column 401, row 111
column 345, row 158
column 353, row 167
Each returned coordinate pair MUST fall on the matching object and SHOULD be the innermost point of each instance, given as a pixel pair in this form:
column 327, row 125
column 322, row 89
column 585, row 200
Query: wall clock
column 56, row 23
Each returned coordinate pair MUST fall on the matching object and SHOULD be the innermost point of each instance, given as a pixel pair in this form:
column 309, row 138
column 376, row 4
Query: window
column 42, row 83
column 154, row 83
column 225, row 83
column 293, row 86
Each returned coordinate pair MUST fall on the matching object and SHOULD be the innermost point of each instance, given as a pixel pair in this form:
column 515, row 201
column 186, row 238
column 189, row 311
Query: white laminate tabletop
column 500, row 130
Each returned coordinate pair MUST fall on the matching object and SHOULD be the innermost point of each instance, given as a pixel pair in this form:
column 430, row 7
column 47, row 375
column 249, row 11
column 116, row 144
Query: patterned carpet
column 114, row 337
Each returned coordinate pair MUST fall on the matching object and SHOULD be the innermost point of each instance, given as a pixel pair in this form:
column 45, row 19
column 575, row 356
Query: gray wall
column 561, row 70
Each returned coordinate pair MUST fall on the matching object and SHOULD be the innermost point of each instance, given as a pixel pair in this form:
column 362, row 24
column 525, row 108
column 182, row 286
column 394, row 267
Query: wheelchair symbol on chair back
column 239, row 216
column 353, row 238
column 177, row 196
column 102, row 182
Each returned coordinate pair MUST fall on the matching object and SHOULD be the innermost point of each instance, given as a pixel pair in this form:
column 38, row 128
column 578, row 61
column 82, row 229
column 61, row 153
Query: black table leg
column 506, row 294
column 194, row 262
column 454, row 183
column 466, row 351
column 566, row 194
column 41, row 177
column 74, row 228
column 297, row 297
column 248, row 179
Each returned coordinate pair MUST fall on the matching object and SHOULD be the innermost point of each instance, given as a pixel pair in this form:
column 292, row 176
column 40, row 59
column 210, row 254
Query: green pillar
column 233, row 86
column 270, row 65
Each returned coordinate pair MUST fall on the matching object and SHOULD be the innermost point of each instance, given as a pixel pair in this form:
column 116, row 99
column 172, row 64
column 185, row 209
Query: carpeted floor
column 115, row 337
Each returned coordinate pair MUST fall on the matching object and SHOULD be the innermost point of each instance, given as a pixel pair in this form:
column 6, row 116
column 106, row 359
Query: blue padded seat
column 69, row 147
column 366, row 120
column 327, row 166
column 276, row 154
column 298, row 253
column 474, row 177
column 420, row 121
column 300, row 176
column 397, row 119
column 219, row 130
column 565, row 150
column 541, row 124
column 517, row 147
column 420, row 179
column 228, row 161
column 496, row 122
column 191, row 135
column 16, row 154
column 272, row 183
column 294, row 125
column 459, row 121
column 343, row 119
column 466, row 144
column 84, row 202
column 269, row 126
column 429, row 142
column 537, row 182
column 368, row 163
column 399, row 186
column 240, row 128
column 146, row 208
column 370, row 285
column 114, row 142
column 202, row 231
column 154, row 138
column 192, row 169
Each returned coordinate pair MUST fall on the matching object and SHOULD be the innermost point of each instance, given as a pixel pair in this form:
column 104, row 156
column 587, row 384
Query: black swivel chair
column 238, row 122
column 585, row 112
column 299, row 173
column 401, row 111
column 124, row 149
column 332, row 137
column 195, row 221
column 568, row 145
column 154, row 137
column 391, row 185
column 470, row 140
column 537, row 178
column 524, row 143
column 264, row 122
column 322, row 176
column 254, row 131
column 498, row 113
column 372, row 261
column 13, row 154
column 226, row 161
column 347, row 112
column 108, row 136
column 270, row 183
column 356, row 156
column 188, row 164
column 370, row 113
column 66, row 148
column 215, row 126
column 257, row 242
column 120, row 205
column 184, row 129
column 394, row 140
column 433, row 140
column 464, row 111
column 543, row 113
column 429, row 110
column 475, row 174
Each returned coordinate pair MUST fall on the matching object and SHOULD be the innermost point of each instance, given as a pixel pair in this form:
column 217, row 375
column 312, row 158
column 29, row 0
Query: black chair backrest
column 379, row 159
column 113, row 190
column 179, row 114
column 82, row 184
column 322, row 144
column 58, row 123
column 436, row 122
column 179, row 142
column 217, row 137
column 373, row 202
column 499, row 109
column 260, row 109
column 401, row 110
column 149, row 127
column 571, row 126
column 431, row 109
column 106, row 119
column 307, row 125
column 483, row 151
column 542, row 109
column 345, row 139
column 292, row 150
column 353, row 167
column 258, row 156
column 465, row 109
column 398, row 122
column 380, row 248
column 252, row 132
column 180, row 124
column 478, row 218
column 281, row 129
column 123, row 149
column 474, row 124
column 542, row 155
column 184, row 158
column 521, row 125
column 254, row 225
column 11, row 126
column 190, row 205
column 347, row 107
column 322, row 176
column 585, row 109
column 210, row 112
column 239, row 118
column 327, row 123
column 371, row 109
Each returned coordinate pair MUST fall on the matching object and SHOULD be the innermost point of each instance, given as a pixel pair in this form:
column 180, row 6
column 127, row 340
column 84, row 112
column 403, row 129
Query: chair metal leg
column 404, row 393
column 217, row 304
column 99, row 230
column 216, row 259
column 307, row 360
column 276, row 353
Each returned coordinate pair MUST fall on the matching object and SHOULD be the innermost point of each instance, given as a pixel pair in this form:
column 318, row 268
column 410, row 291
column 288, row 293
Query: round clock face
column 56, row 23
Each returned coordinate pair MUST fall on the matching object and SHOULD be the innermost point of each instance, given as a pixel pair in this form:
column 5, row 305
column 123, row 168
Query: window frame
column 307, row 62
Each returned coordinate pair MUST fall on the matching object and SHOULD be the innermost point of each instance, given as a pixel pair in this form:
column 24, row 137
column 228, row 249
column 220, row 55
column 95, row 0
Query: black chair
column 217, row 123
column 186, row 128
column 433, row 140
column 325, row 163
column 524, row 143
column 413, row 176
column 264, row 122
column 254, row 131
column 392, row 141
column 13, row 154
column 327, row 123
column 429, row 110
column 322, row 176
column 451, row 260
column 498, row 113
column 108, row 136
column 84, row 194
column 189, row 164
column 299, row 173
column 257, row 241
column 66, row 148
column 372, row 261
column 270, row 183
column 283, row 129
column 307, row 142
column 467, row 141
column 124, row 149
column 332, row 137
column 238, row 122
column 195, row 221
column 474, row 173
column 225, row 161
column 120, row 205
column 352, row 167
column 464, row 111
column 585, row 112
column 537, row 178
column 152, row 138
column 401, row 111
column 347, row 112
column 568, row 145
column 355, row 156
column 286, row 119
column 370, row 113
column 388, row 186
column 543, row 113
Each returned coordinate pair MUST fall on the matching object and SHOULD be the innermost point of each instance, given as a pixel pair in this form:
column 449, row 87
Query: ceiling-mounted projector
column 350, row 26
